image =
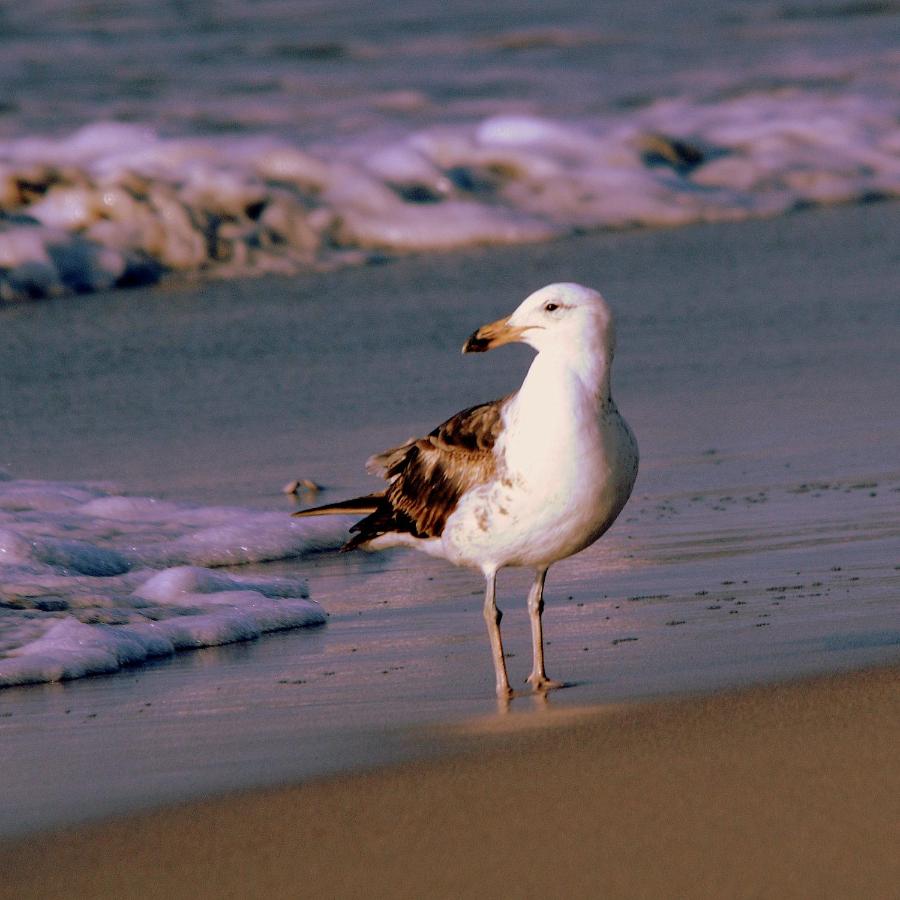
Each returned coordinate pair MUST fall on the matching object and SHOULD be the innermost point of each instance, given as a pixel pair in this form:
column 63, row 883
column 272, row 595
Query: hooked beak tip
column 476, row 343
column 494, row 334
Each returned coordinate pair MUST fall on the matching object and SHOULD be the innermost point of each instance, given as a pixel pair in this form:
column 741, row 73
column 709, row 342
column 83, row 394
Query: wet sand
column 757, row 364
column 787, row 791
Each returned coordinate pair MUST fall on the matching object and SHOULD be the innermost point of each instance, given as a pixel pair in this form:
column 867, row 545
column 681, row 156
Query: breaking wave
column 114, row 205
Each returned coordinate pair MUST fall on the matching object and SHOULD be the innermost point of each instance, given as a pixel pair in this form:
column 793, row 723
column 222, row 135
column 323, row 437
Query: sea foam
column 117, row 204
column 91, row 581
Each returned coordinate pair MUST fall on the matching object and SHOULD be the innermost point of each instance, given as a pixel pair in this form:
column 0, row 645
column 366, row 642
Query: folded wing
column 427, row 477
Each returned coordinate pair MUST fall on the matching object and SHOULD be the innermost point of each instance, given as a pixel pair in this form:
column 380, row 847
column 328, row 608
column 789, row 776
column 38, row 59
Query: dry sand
column 786, row 791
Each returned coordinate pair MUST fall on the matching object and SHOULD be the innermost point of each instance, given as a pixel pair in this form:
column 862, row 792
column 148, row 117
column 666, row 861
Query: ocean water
column 229, row 138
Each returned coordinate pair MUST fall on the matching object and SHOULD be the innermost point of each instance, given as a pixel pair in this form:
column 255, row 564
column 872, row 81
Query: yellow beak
column 493, row 335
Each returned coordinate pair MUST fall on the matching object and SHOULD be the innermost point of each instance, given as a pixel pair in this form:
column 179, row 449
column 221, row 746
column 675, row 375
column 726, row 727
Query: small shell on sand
column 302, row 486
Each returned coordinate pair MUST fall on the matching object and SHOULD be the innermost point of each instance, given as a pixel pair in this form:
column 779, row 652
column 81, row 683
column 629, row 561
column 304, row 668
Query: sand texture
column 787, row 791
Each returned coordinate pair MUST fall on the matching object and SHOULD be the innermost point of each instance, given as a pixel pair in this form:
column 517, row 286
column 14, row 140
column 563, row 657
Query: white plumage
column 523, row 481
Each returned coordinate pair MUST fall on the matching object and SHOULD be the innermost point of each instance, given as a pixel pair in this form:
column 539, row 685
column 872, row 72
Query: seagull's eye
column 551, row 306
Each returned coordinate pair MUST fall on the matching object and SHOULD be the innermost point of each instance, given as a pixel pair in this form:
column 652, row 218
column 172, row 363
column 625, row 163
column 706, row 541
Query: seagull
column 526, row 480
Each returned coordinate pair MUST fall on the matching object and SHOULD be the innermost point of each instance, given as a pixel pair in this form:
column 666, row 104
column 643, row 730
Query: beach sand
column 757, row 364
column 785, row 791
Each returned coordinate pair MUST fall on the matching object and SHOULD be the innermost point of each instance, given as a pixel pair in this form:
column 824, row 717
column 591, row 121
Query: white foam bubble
column 14, row 549
column 91, row 581
column 130, row 509
column 70, row 649
column 259, row 537
column 80, row 557
column 174, row 585
column 116, row 203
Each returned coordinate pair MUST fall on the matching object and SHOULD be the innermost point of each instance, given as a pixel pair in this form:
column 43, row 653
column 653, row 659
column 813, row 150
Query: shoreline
column 784, row 790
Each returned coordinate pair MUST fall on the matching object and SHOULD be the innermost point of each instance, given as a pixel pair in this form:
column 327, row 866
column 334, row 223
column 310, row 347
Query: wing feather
column 427, row 476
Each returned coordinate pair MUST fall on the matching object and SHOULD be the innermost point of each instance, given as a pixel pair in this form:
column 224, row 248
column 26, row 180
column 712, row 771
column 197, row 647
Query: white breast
column 566, row 465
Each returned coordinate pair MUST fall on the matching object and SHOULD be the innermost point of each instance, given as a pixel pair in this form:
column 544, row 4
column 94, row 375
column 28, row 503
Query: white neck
column 560, row 373
column 557, row 411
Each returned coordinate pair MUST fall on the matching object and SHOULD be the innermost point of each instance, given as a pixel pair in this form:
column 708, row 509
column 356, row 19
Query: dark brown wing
column 428, row 476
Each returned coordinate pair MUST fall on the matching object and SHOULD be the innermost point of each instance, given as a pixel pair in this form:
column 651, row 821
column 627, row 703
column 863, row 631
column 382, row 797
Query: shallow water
column 231, row 139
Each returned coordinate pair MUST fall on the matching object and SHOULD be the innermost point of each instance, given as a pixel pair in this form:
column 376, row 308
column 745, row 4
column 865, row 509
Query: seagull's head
column 565, row 316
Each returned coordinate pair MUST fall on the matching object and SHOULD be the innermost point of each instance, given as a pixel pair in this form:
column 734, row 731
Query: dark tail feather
column 357, row 506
